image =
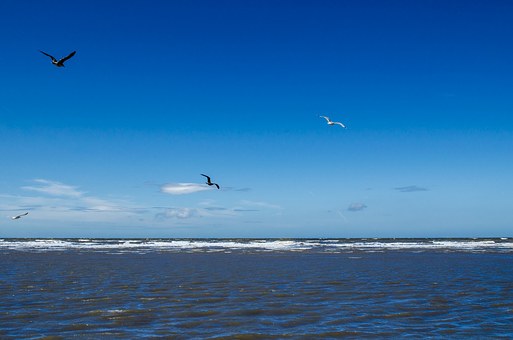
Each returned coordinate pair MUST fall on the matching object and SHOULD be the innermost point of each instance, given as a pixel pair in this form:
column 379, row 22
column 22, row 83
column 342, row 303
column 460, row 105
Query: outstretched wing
column 19, row 216
column 327, row 119
column 339, row 123
column 208, row 178
column 67, row 57
column 217, row 185
column 53, row 59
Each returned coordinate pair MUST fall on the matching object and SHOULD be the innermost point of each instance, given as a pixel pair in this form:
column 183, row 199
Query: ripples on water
column 234, row 289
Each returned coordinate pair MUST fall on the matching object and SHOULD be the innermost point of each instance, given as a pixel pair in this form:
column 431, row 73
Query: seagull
column 19, row 216
column 209, row 182
column 60, row 62
column 332, row 123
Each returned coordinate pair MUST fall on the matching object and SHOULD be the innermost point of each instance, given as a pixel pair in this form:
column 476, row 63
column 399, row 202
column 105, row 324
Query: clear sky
column 113, row 144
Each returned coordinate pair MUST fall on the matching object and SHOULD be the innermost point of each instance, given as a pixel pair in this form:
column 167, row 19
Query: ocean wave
column 299, row 245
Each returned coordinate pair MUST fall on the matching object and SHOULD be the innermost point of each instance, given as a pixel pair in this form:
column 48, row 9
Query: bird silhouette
column 60, row 62
column 209, row 182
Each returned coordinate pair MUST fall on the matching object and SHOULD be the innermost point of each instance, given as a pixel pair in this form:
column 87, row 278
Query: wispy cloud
column 242, row 189
column 53, row 199
column 54, row 188
column 245, row 189
column 183, row 188
column 410, row 188
column 215, row 208
column 183, row 213
column 211, row 209
column 180, row 213
column 257, row 204
column 342, row 215
column 356, row 206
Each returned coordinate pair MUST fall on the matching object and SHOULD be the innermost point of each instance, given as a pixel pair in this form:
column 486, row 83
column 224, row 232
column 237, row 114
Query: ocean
column 256, row 288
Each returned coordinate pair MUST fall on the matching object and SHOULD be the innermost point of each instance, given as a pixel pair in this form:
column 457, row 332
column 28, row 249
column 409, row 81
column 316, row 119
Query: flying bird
column 209, row 182
column 60, row 62
column 19, row 216
column 332, row 123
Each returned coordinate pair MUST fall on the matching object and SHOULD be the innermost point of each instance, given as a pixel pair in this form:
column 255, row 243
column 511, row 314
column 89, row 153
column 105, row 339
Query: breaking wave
column 259, row 245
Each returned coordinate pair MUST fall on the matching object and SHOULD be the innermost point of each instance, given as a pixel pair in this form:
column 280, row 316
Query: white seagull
column 332, row 123
column 209, row 182
column 19, row 216
column 60, row 62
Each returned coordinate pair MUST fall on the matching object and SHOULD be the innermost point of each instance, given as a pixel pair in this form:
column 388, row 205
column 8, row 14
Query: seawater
column 256, row 289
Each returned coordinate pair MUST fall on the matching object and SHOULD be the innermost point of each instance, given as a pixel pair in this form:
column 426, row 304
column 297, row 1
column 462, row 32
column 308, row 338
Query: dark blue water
column 254, row 293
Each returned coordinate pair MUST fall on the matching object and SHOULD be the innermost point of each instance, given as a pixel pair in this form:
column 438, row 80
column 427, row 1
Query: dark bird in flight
column 209, row 182
column 19, row 216
column 60, row 62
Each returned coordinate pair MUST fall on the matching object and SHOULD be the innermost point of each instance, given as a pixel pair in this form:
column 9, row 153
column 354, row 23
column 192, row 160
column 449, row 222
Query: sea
column 256, row 288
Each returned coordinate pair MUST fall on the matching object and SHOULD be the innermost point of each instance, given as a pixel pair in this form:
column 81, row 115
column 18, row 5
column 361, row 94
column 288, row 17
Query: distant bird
column 332, row 123
column 60, row 62
column 209, row 182
column 19, row 216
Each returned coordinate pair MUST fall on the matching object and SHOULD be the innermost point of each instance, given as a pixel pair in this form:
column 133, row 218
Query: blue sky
column 162, row 91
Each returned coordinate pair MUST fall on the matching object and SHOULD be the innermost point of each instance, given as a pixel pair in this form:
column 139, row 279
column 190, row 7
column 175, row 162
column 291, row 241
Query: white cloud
column 182, row 188
column 54, row 188
column 98, row 204
column 193, row 212
column 53, row 200
column 247, row 203
column 50, row 201
column 180, row 213
column 356, row 206
column 205, row 208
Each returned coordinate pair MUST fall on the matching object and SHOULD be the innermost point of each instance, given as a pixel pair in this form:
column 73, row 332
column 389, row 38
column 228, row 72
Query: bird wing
column 339, row 123
column 208, row 178
column 53, row 59
column 19, row 216
column 67, row 57
column 327, row 119
column 217, row 185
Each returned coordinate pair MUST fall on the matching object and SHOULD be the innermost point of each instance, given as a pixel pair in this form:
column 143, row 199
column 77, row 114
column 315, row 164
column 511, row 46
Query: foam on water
column 319, row 245
column 264, row 289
